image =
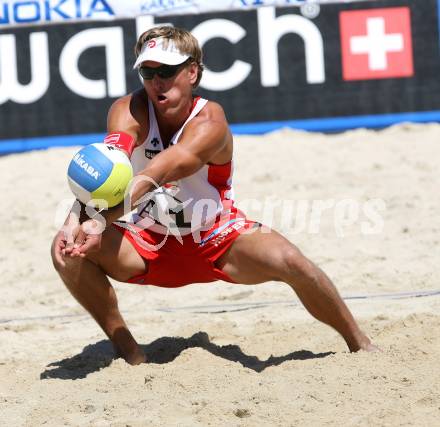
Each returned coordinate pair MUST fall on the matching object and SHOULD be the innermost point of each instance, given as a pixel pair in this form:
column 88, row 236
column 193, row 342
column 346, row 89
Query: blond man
column 185, row 227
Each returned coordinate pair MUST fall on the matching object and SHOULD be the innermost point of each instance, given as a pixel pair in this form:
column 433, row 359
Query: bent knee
column 298, row 268
column 65, row 266
column 69, row 266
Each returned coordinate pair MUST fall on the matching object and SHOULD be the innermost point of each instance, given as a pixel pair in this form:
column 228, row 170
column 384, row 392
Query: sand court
column 223, row 354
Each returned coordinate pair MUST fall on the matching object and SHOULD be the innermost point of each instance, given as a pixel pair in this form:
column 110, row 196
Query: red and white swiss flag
column 376, row 43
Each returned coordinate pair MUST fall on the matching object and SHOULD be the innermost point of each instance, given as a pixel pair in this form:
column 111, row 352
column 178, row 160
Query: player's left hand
column 87, row 239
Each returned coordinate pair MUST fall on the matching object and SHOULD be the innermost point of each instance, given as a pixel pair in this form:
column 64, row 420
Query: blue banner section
column 8, row 146
column 315, row 125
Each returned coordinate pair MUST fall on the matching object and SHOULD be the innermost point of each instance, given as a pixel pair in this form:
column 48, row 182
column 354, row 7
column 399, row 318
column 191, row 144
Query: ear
column 193, row 72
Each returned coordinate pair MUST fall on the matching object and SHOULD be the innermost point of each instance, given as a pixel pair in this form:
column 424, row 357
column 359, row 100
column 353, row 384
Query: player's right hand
column 62, row 240
column 85, row 239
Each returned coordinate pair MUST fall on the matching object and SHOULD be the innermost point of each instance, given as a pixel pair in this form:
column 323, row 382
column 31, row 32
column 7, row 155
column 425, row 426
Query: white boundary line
column 225, row 308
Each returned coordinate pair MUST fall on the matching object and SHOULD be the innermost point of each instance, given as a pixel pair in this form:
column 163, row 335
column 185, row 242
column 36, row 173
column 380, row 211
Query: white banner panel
column 34, row 12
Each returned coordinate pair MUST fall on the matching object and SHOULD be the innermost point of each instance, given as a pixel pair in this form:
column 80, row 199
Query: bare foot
column 136, row 359
column 134, row 356
column 364, row 345
column 361, row 342
column 371, row 348
column 127, row 347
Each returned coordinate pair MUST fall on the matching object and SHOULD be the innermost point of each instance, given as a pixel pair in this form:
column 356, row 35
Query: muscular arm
column 129, row 115
column 204, row 139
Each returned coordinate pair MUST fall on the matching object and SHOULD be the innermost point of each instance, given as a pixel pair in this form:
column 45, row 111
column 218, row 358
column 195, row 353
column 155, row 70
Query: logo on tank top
column 149, row 154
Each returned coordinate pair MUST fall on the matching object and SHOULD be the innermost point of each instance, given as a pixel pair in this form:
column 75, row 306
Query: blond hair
column 183, row 39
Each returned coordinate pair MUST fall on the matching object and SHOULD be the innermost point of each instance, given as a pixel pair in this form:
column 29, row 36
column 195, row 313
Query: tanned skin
column 85, row 259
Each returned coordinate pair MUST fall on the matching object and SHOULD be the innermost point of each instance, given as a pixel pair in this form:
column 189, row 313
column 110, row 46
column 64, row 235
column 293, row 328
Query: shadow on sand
column 95, row 357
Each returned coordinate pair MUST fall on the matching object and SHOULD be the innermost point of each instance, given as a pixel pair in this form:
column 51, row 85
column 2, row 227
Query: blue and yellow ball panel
column 100, row 172
column 89, row 168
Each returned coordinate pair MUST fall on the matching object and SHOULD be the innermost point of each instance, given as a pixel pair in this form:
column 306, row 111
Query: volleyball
column 99, row 172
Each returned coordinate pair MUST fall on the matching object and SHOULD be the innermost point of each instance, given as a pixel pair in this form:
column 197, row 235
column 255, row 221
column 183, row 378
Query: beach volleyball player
column 194, row 234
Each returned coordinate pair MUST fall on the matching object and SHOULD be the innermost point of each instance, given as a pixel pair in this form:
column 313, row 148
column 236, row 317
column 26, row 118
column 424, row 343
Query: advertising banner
column 368, row 64
column 33, row 12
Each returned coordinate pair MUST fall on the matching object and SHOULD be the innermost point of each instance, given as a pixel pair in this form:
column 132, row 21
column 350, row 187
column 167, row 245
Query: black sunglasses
column 163, row 71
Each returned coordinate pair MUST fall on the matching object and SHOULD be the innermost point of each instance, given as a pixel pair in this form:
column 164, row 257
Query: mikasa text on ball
column 99, row 172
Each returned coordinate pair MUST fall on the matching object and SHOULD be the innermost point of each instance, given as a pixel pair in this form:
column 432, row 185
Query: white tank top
column 186, row 205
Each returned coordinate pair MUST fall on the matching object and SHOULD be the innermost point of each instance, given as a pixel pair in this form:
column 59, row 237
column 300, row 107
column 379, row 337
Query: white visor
column 155, row 50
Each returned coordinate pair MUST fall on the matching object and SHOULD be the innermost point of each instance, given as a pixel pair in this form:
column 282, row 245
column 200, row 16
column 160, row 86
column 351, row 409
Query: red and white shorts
column 172, row 264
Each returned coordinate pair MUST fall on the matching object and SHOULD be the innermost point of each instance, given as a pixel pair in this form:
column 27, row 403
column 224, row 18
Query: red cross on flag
column 376, row 43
